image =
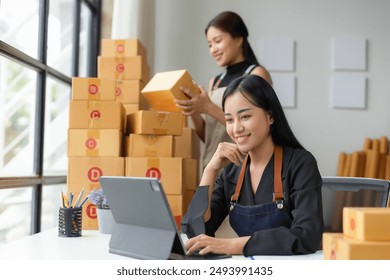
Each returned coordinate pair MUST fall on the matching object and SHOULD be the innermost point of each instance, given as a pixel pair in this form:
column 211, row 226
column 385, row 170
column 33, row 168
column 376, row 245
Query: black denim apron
column 245, row 220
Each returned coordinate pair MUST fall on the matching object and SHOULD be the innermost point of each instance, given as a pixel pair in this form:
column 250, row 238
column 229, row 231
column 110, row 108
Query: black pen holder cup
column 69, row 222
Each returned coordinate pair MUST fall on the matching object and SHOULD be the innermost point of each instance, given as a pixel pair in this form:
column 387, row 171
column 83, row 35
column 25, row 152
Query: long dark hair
column 261, row 94
column 233, row 24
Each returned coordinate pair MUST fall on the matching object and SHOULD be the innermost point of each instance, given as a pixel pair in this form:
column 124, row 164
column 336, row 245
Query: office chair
column 339, row 192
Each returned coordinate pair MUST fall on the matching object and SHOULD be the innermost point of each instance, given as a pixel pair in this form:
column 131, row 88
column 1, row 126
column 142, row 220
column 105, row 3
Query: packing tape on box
column 161, row 118
column 119, row 68
column 94, row 113
column 93, row 135
column 151, row 139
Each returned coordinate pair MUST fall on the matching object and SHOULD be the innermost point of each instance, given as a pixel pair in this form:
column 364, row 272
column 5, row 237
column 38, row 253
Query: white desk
column 90, row 246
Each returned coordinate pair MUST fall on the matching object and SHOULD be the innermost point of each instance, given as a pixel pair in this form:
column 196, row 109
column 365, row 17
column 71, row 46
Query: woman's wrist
column 209, row 174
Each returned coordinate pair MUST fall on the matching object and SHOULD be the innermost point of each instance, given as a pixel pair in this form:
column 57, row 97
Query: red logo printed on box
column 118, row 91
column 91, row 211
column 94, row 173
column 153, row 172
column 120, row 68
column 95, row 114
column 120, row 48
column 333, row 254
column 93, row 89
column 352, row 224
column 90, row 143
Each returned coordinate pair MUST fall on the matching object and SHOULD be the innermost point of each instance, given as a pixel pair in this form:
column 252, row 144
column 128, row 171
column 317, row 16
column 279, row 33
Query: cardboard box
column 125, row 47
column 96, row 114
column 175, row 174
column 93, row 89
column 179, row 202
column 179, row 205
column 84, row 172
column 164, row 87
column 94, row 142
column 337, row 246
column 152, row 122
column 149, row 145
column 367, row 223
column 187, row 145
column 129, row 92
column 133, row 108
column 123, row 68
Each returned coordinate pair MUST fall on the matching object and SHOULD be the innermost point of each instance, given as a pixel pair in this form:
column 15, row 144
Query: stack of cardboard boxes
column 159, row 144
column 94, row 138
column 97, row 117
column 113, row 132
column 366, row 235
column 126, row 62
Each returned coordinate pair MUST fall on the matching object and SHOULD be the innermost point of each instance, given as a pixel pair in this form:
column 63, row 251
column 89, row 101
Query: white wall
column 179, row 43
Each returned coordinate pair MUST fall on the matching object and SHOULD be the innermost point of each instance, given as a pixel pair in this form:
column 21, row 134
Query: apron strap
column 236, row 194
column 278, row 189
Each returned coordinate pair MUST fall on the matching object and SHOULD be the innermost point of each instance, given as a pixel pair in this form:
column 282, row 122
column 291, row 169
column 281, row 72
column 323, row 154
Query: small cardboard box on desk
column 366, row 235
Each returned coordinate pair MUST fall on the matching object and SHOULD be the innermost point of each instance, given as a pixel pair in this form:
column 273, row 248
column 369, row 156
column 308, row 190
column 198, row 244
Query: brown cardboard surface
column 96, row 114
column 175, row 174
column 122, row 47
column 187, row 145
column 123, row 68
column 84, row 172
column 94, row 142
column 152, row 122
column 129, row 92
column 93, row 89
column 164, row 87
column 367, row 223
column 149, row 145
column 337, row 246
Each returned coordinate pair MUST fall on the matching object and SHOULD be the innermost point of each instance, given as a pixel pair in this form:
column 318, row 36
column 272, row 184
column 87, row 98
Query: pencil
column 65, row 199
column 62, row 199
column 82, row 203
column 70, row 199
column 78, row 198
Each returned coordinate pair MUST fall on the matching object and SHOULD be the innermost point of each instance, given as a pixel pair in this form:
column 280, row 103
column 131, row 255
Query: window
column 42, row 46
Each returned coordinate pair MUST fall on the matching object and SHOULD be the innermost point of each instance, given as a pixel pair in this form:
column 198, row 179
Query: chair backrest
column 339, row 192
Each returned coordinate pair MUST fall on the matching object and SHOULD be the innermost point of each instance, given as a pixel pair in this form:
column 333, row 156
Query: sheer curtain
column 135, row 19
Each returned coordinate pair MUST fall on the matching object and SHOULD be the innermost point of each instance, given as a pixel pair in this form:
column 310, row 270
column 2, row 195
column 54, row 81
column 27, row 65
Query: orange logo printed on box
column 95, row 114
column 153, row 172
column 118, row 91
column 91, row 211
column 94, row 173
column 120, row 68
column 90, row 143
column 93, row 89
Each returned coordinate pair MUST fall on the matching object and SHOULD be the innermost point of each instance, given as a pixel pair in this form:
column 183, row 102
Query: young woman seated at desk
column 270, row 185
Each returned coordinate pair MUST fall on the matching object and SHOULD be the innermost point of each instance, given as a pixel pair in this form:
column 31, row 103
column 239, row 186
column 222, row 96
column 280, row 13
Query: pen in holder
column 69, row 222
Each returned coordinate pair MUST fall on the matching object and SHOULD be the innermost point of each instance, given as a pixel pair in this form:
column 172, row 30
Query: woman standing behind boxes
column 227, row 37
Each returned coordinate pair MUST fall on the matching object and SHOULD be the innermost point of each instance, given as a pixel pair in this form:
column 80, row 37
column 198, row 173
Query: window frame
column 43, row 71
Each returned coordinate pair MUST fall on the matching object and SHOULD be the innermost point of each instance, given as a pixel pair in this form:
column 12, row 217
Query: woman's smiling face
column 225, row 49
column 247, row 124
